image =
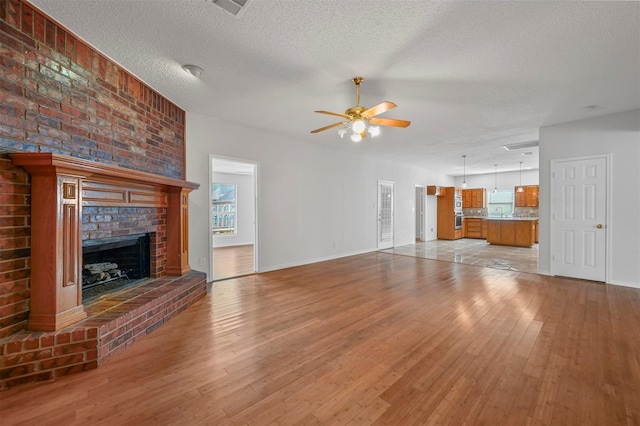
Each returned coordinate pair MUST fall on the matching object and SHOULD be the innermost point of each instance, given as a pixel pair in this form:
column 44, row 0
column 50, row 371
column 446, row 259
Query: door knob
column 599, row 226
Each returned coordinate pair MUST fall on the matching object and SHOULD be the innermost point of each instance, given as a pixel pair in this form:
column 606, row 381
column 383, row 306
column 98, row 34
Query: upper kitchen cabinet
column 528, row 197
column 473, row 198
column 434, row 190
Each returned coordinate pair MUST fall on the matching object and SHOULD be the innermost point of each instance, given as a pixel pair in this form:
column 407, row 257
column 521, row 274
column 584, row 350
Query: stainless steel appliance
column 457, row 203
column 458, row 220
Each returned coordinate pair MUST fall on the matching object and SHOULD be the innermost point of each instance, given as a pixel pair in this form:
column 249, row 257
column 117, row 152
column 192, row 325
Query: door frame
column 608, row 199
column 256, row 199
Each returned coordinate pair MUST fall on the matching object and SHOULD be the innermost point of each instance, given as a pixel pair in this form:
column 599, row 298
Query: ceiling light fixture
column 359, row 120
column 194, row 70
column 495, row 187
column 464, row 172
column 520, row 188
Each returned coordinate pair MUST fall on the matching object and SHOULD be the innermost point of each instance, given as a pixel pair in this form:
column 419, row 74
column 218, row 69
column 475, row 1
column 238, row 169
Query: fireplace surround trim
column 57, row 186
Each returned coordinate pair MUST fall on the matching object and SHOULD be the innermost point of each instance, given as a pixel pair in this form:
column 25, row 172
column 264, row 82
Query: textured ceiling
column 470, row 76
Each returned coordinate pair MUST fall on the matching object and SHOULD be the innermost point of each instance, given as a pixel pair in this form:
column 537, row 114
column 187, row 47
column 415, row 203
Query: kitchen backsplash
column 525, row 212
column 475, row 212
column 518, row 212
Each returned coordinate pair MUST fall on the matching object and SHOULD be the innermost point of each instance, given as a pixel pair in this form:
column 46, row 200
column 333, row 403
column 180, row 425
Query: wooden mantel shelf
column 60, row 186
column 36, row 162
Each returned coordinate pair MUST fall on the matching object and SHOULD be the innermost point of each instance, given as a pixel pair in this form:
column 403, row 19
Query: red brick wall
column 57, row 94
column 15, row 253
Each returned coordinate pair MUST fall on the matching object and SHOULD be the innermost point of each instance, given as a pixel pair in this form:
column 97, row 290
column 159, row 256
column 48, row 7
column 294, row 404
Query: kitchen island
column 512, row 231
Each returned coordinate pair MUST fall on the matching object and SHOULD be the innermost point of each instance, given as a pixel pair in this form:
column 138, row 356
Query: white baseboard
column 310, row 261
column 624, row 283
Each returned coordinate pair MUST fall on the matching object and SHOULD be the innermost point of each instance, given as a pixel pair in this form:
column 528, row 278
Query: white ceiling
column 470, row 76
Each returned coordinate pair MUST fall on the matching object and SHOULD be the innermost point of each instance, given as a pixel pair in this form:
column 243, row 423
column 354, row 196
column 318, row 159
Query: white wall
column 618, row 135
column 506, row 180
column 314, row 202
column 245, row 209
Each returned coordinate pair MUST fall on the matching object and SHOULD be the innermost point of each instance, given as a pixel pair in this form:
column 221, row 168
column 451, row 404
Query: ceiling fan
column 361, row 120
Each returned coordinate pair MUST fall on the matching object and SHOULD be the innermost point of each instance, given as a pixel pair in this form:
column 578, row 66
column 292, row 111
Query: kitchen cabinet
column 473, row 198
column 446, row 214
column 434, row 190
column 473, row 227
column 466, row 198
column 527, row 198
column 511, row 232
column 478, row 197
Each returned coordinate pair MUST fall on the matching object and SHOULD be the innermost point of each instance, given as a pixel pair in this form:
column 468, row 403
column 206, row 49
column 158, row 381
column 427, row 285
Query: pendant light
column 495, row 188
column 464, row 176
column 520, row 188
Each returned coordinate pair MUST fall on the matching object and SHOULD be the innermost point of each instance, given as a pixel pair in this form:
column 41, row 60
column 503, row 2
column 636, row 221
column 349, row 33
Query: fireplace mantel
column 60, row 186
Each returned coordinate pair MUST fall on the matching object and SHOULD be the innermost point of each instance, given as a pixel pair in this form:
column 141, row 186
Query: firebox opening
column 108, row 264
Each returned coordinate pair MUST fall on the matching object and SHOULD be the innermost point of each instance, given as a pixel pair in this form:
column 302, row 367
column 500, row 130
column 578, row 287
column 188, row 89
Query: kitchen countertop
column 500, row 218
column 512, row 218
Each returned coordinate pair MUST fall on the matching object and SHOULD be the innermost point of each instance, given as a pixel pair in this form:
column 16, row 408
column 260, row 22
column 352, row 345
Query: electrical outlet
column 202, row 260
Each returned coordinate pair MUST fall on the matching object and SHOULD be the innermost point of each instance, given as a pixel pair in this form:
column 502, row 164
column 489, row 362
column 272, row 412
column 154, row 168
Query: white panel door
column 579, row 219
column 385, row 214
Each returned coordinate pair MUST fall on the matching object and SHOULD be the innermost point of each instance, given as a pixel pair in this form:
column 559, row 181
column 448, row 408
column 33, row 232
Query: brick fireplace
column 61, row 188
column 87, row 152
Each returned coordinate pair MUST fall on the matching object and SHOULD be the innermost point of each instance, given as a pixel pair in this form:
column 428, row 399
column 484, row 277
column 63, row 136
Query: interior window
column 500, row 203
column 224, row 209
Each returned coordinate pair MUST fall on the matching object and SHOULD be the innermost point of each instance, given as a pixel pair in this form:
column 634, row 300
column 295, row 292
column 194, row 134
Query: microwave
column 457, row 203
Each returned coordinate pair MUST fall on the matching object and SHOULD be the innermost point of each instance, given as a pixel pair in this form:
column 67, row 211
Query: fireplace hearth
column 62, row 188
column 76, row 203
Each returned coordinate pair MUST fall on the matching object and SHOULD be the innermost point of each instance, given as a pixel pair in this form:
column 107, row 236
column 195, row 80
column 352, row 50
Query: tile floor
column 474, row 252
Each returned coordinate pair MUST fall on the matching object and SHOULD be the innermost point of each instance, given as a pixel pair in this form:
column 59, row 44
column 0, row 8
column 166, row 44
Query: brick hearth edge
column 114, row 323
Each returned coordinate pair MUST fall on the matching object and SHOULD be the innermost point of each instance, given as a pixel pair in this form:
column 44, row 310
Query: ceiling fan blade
column 330, row 126
column 389, row 122
column 378, row 109
column 337, row 114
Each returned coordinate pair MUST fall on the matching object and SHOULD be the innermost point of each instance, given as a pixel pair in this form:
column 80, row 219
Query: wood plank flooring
column 374, row 339
column 233, row 261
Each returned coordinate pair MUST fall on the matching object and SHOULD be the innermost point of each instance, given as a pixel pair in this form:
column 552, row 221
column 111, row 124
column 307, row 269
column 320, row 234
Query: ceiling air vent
column 233, row 7
column 520, row 145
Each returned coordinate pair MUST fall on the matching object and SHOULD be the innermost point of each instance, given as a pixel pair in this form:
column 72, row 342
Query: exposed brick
column 57, row 94
column 75, row 347
column 63, row 338
column 47, row 340
column 16, row 371
column 13, row 347
column 78, row 335
column 30, row 344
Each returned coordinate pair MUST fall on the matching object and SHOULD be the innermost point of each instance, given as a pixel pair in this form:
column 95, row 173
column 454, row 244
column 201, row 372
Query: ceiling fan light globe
column 358, row 126
column 356, row 137
column 374, row 131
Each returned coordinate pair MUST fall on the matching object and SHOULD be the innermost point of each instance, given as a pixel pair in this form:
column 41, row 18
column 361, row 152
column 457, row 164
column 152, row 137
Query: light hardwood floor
column 233, row 261
column 369, row 339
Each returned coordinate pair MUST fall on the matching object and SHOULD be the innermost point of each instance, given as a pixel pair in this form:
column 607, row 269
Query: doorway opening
column 233, row 218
